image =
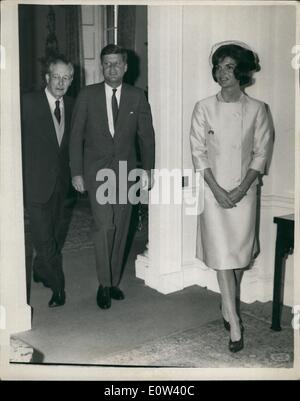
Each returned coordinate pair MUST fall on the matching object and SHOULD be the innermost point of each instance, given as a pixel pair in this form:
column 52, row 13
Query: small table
column 284, row 247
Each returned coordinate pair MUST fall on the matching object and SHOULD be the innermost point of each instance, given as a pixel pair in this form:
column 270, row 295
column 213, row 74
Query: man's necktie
column 57, row 111
column 114, row 106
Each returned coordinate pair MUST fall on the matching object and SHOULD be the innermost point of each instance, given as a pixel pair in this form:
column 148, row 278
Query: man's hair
column 113, row 49
column 53, row 60
column 246, row 62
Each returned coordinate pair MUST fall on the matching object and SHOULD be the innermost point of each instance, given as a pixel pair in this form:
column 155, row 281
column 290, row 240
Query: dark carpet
column 79, row 234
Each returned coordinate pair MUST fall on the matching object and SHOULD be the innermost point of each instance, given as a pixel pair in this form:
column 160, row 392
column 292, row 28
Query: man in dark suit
column 46, row 117
column 106, row 119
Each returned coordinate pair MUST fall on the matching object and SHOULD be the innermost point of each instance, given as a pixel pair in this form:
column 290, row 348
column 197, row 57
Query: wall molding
column 286, row 201
column 165, row 96
column 280, row 201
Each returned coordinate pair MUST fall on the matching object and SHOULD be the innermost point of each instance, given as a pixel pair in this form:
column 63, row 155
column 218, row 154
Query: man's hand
column 223, row 198
column 147, row 180
column 78, row 183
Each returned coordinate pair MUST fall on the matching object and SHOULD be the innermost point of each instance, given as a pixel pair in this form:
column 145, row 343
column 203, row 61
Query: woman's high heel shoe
column 236, row 346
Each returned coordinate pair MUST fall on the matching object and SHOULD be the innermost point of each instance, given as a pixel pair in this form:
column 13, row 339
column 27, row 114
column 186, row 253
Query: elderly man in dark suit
column 107, row 118
column 46, row 117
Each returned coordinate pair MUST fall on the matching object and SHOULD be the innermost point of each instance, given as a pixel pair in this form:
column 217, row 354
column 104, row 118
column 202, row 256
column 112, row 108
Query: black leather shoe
column 38, row 279
column 116, row 293
column 58, row 299
column 103, row 297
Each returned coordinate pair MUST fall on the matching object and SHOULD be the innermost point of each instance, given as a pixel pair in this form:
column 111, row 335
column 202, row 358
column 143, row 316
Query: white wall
column 180, row 39
column 271, row 31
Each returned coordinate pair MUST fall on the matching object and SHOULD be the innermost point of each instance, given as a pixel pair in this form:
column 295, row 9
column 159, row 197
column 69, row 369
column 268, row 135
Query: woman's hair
column 246, row 60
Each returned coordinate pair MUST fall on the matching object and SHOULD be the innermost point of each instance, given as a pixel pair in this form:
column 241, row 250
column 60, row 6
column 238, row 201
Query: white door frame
column 15, row 314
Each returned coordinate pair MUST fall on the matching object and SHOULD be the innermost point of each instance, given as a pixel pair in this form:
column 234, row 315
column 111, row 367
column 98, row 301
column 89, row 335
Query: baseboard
column 141, row 264
column 254, row 288
column 190, row 274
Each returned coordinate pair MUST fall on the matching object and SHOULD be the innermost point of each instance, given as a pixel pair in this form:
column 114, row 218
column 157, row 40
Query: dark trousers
column 110, row 232
column 48, row 227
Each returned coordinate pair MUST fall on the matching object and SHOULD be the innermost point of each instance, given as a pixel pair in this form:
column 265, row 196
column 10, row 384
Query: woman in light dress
column 231, row 140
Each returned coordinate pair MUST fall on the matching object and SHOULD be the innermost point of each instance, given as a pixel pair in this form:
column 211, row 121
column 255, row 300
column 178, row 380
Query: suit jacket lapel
column 67, row 111
column 124, row 110
column 100, row 103
column 47, row 122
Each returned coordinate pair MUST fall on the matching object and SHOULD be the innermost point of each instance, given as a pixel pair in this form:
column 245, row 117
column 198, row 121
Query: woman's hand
column 220, row 194
column 236, row 195
column 223, row 198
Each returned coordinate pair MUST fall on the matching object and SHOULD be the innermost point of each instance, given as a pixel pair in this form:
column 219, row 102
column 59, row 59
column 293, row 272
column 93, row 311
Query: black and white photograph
column 150, row 181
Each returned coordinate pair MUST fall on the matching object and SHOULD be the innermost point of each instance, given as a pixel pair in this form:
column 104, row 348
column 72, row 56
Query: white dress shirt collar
column 52, row 100
column 109, row 91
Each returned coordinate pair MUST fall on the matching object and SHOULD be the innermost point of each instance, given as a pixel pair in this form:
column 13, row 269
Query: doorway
column 79, row 32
